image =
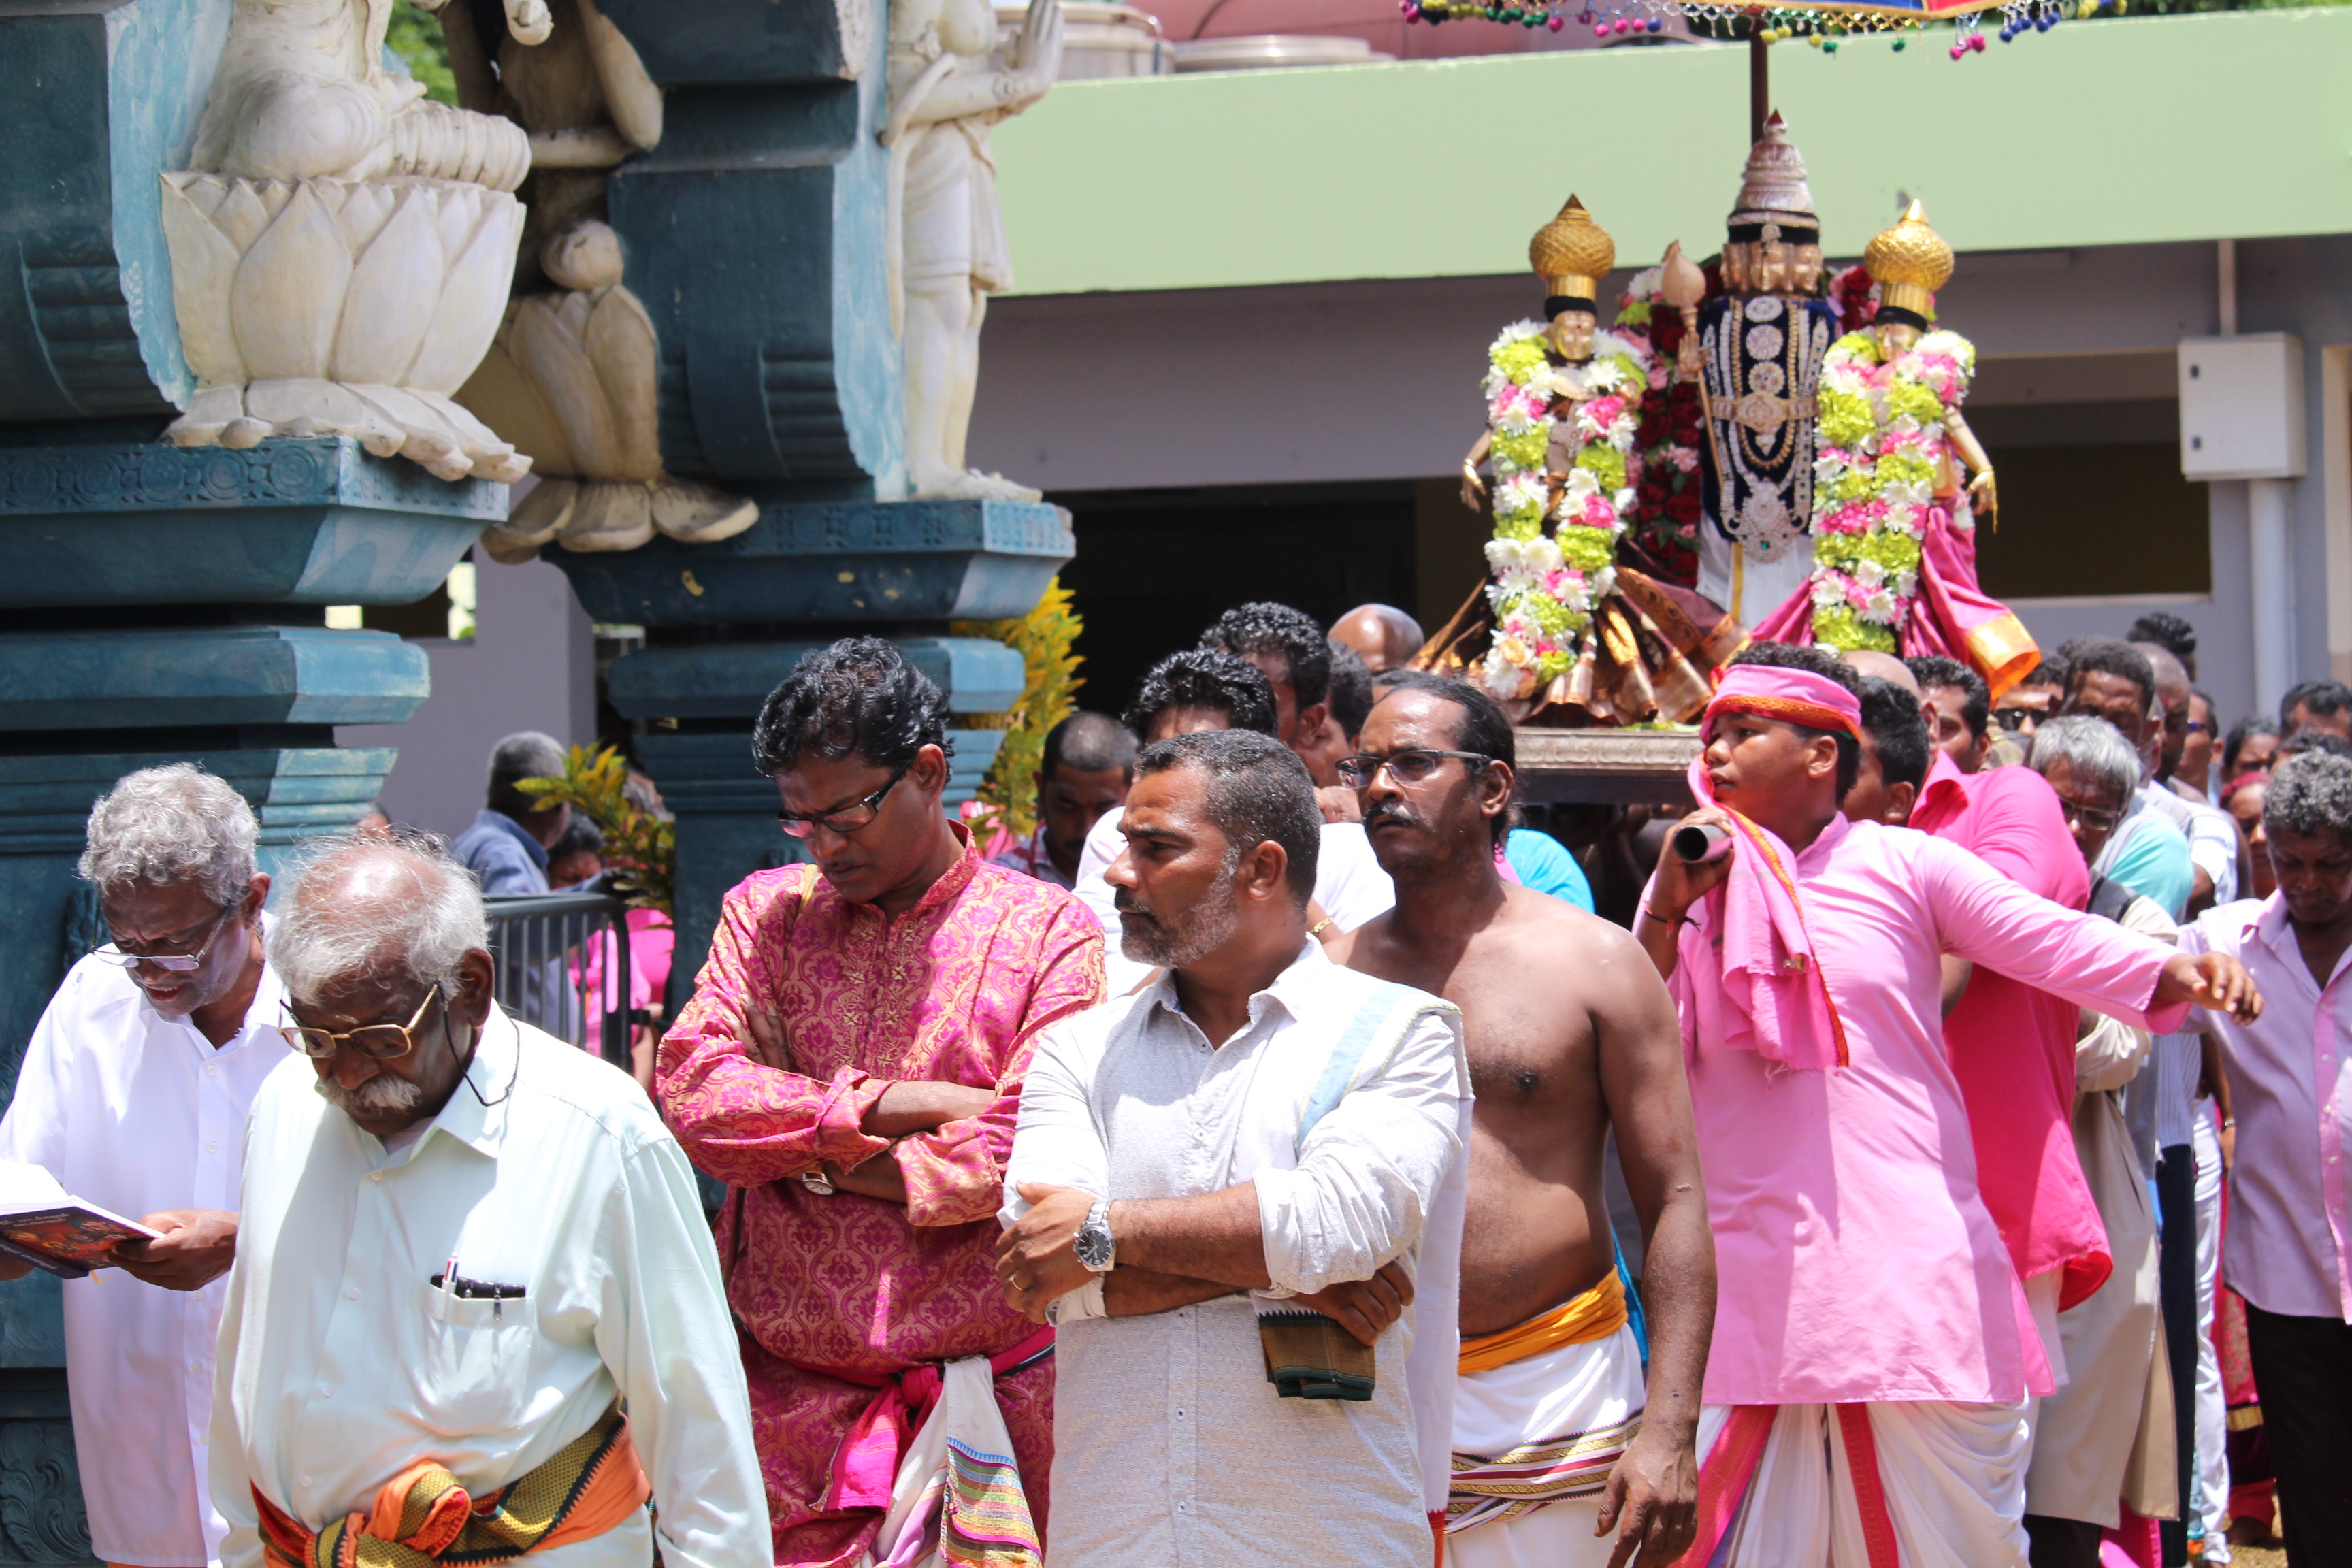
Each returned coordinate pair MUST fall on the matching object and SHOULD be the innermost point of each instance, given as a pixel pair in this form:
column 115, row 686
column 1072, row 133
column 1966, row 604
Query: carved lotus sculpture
column 319, row 307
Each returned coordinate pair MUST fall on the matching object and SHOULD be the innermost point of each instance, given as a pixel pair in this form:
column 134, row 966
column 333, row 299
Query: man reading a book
column 1239, row 1192
column 133, row 1097
column 476, row 1312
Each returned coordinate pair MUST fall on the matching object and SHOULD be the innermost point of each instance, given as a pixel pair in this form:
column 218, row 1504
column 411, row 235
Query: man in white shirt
column 1212, row 689
column 1240, row 1192
column 466, row 1249
column 134, row 1095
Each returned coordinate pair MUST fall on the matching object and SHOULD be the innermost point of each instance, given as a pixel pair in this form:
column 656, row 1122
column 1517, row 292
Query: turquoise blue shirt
column 2150, row 857
column 1545, row 865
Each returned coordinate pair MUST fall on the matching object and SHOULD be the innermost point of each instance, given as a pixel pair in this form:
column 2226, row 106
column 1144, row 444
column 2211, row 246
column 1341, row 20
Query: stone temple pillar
column 156, row 605
column 754, row 234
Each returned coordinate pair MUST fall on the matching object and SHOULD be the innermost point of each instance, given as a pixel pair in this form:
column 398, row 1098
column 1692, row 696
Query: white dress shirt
column 2288, row 1248
column 136, row 1112
column 341, row 1363
column 1170, row 1447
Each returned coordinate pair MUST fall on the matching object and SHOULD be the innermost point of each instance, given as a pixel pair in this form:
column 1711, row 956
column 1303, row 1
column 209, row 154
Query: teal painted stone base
column 315, row 522
column 841, row 561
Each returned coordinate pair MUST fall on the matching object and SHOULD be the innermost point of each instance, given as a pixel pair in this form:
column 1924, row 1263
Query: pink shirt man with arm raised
column 1873, row 1352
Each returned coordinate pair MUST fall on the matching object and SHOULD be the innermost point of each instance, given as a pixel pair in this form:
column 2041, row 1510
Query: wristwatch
column 1094, row 1245
column 814, row 1182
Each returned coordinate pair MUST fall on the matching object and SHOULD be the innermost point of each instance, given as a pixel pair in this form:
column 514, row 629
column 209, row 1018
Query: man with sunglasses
column 1560, row 1455
column 475, row 1313
column 134, row 1095
column 850, row 1065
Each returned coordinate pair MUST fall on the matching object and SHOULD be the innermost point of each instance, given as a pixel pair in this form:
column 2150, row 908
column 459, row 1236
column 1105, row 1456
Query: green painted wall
column 2108, row 133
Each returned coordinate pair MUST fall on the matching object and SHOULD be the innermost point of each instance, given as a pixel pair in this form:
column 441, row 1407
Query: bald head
column 1383, row 636
column 2171, row 674
column 1869, row 662
column 378, row 907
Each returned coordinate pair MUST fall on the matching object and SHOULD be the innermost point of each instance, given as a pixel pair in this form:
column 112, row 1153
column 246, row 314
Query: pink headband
column 1797, row 696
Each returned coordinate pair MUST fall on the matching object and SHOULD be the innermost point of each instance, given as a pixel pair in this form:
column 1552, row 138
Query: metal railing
column 563, row 965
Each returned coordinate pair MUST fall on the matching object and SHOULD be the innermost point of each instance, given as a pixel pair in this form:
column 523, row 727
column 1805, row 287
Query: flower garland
column 1667, row 501
column 1883, row 448
column 1543, row 587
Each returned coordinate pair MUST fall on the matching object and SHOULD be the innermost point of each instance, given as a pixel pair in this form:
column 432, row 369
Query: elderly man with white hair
column 476, row 1312
column 133, row 1096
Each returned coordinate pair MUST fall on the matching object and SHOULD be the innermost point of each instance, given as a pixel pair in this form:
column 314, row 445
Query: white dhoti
column 1916, row 1484
column 1534, row 1441
column 1750, row 589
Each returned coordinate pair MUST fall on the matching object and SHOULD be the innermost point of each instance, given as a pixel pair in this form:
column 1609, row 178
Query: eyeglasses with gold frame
column 377, row 1042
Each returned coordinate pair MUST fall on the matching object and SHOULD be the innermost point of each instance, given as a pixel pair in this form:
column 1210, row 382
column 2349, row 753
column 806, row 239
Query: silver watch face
column 1092, row 1246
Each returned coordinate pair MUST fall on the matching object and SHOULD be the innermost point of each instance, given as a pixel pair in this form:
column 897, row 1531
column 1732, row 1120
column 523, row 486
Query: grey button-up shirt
column 1170, row 1447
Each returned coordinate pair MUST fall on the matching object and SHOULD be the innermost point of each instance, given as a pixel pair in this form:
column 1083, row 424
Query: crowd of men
column 1223, row 1172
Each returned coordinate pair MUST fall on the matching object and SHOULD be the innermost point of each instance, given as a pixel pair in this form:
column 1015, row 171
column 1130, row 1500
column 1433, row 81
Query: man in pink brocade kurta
column 898, row 973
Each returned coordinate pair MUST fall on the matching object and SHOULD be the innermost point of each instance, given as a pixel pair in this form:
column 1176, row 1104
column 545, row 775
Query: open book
column 44, row 1226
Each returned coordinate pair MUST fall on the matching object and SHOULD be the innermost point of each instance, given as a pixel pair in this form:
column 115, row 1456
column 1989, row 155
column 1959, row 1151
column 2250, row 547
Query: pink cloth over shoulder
column 1855, row 1257
column 1766, row 994
column 834, row 1293
column 2012, row 1046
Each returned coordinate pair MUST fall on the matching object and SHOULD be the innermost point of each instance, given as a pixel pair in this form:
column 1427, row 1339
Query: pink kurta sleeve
column 744, row 1122
column 955, row 1176
column 1987, row 918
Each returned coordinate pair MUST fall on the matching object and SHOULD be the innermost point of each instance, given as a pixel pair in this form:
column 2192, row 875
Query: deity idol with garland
column 1894, row 552
column 1561, row 633
column 1758, row 351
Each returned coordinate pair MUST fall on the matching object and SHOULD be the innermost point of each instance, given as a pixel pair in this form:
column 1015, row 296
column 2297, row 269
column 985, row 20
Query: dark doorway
column 1154, row 567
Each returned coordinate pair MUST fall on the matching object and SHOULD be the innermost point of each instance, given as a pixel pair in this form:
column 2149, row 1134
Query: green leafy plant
column 1044, row 639
column 639, row 844
column 416, row 37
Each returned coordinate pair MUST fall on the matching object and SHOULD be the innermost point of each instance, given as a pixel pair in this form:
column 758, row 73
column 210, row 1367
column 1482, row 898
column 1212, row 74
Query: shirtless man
column 1570, row 1033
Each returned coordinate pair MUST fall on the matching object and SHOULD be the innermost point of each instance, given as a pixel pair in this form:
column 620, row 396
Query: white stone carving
column 571, row 378
column 945, row 246
column 342, row 247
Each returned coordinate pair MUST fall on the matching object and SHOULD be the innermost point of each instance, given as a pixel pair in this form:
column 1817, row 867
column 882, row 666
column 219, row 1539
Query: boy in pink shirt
column 1873, row 1353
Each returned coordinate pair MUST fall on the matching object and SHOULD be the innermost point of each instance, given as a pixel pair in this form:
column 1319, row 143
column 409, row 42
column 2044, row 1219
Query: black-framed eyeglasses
column 2096, row 819
column 1409, row 768
column 2014, row 719
column 846, row 819
column 121, row 956
column 377, row 1042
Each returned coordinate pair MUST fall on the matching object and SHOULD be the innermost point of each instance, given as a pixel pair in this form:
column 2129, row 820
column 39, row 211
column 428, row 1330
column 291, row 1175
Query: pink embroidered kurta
column 2012, row 1046
column 1854, row 1257
column 956, row 989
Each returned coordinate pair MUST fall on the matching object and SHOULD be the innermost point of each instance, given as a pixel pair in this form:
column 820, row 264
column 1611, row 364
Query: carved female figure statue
column 1893, row 511
column 1561, row 633
column 946, row 243
column 572, row 378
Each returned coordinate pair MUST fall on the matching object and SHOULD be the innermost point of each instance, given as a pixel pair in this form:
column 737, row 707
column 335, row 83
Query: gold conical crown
column 1572, row 254
column 1909, row 261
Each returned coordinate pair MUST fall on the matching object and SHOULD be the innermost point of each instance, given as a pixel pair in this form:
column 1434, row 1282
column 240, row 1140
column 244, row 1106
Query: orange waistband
column 1594, row 1315
column 589, row 1486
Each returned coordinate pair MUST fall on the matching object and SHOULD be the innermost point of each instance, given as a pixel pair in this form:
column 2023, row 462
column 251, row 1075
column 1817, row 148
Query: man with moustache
column 1560, row 1456
column 850, row 1065
column 134, row 1095
column 476, row 1315
column 1238, row 1193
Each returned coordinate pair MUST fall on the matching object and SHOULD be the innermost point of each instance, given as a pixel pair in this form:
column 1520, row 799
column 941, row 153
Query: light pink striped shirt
column 2291, row 1090
column 1854, row 1257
